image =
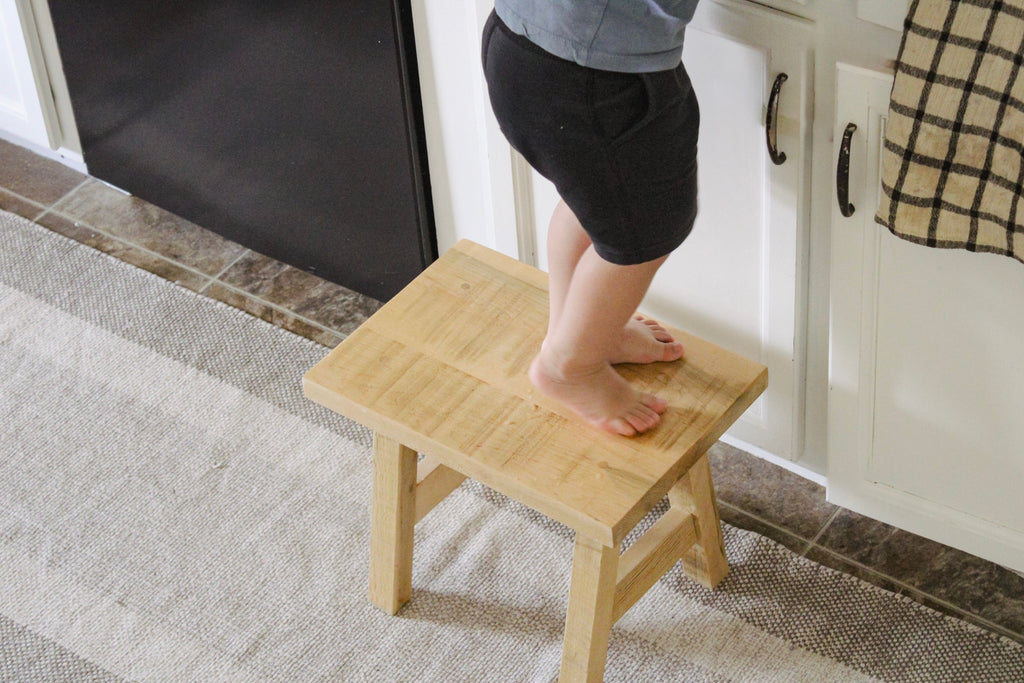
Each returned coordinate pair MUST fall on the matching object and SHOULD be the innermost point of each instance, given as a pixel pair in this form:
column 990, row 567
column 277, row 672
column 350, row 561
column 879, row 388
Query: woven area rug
column 173, row 509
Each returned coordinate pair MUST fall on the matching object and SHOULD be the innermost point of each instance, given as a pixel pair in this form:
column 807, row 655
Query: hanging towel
column 953, row 162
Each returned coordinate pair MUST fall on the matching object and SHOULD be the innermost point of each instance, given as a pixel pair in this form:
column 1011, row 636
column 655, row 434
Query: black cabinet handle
column 843, row 172
column 771, row 122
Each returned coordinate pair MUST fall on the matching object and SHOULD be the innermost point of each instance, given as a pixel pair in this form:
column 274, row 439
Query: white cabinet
column 735, row 280
column 926, row 385
column 22, row 113
column 888, row 13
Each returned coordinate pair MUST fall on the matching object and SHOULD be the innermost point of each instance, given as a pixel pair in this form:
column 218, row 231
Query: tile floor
column 753, row 494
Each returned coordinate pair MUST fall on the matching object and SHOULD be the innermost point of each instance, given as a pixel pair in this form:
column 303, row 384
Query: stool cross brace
column 604, row 584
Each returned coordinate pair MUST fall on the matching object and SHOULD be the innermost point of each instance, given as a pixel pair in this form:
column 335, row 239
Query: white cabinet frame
column 880, row 464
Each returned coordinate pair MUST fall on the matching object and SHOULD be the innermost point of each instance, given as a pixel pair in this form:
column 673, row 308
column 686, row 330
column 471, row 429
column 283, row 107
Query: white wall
column 470, row 165
column 35, row 111
column 22, row 111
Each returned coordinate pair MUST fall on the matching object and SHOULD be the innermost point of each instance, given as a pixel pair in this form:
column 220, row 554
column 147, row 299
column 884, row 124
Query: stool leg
column 591, row 602
column 393, row 521
column 705, row 563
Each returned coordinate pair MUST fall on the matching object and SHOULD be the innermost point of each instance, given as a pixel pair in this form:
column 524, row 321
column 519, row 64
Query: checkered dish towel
column 953, row 164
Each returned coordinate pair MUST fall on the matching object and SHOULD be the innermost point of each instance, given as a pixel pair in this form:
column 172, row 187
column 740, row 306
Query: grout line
column 42, row 207
column 121, row 240
column 276, row 307
column 216, row 278
column 51, row 209
column 911, row 591
column 762, row 521
column 70, row 192
column 821, row 531
column 908, row 589
column 210, row 281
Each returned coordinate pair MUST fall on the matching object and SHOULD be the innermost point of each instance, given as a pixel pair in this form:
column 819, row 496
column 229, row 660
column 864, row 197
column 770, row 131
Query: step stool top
column 441, row 368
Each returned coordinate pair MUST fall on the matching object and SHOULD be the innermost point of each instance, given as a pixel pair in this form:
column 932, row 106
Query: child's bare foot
column 600, row 396
column 645, row 341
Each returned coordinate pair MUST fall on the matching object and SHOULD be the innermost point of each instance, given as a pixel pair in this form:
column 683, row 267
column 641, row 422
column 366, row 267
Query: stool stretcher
column 434, row 481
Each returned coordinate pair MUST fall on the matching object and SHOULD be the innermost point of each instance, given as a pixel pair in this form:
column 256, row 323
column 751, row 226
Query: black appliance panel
column 293, row 127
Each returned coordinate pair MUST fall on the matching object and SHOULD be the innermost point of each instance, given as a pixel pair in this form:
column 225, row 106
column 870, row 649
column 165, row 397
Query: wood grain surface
column 441, row 368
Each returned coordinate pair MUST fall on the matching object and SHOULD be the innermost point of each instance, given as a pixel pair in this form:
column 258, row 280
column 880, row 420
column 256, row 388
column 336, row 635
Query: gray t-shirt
column 613, row 35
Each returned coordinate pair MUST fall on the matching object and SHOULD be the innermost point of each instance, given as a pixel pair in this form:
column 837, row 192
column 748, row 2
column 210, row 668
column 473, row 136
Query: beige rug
column 172, row 509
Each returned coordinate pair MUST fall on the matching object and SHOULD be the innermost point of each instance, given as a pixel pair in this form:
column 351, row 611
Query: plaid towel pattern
column 953, row 162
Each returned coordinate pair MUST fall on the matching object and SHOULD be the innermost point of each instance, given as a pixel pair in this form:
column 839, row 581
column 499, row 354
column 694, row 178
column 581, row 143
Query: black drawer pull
column 771, row 123
column 843, row 172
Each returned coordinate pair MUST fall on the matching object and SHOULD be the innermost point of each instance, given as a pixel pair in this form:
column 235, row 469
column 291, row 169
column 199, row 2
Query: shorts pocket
column 621, row 103
column 485, row 39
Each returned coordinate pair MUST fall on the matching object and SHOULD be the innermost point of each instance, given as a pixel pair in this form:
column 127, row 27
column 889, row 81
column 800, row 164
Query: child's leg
column 642, row 340
column 566, row 243
column 573, row 365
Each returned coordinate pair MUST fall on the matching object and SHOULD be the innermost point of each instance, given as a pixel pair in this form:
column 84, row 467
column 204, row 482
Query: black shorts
column 620, row 148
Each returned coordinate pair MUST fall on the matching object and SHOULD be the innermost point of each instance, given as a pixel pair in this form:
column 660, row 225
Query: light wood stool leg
column 705, row 562
column 393, row 521
column 590, row 615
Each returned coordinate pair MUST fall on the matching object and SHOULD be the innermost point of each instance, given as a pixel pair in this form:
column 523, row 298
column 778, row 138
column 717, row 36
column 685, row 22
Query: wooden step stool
column 441, row 370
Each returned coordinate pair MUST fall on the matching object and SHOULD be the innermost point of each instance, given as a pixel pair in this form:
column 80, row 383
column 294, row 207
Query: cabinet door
column 925, row 383
column 21, row 112
column 887, row 13
column 735, row 279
